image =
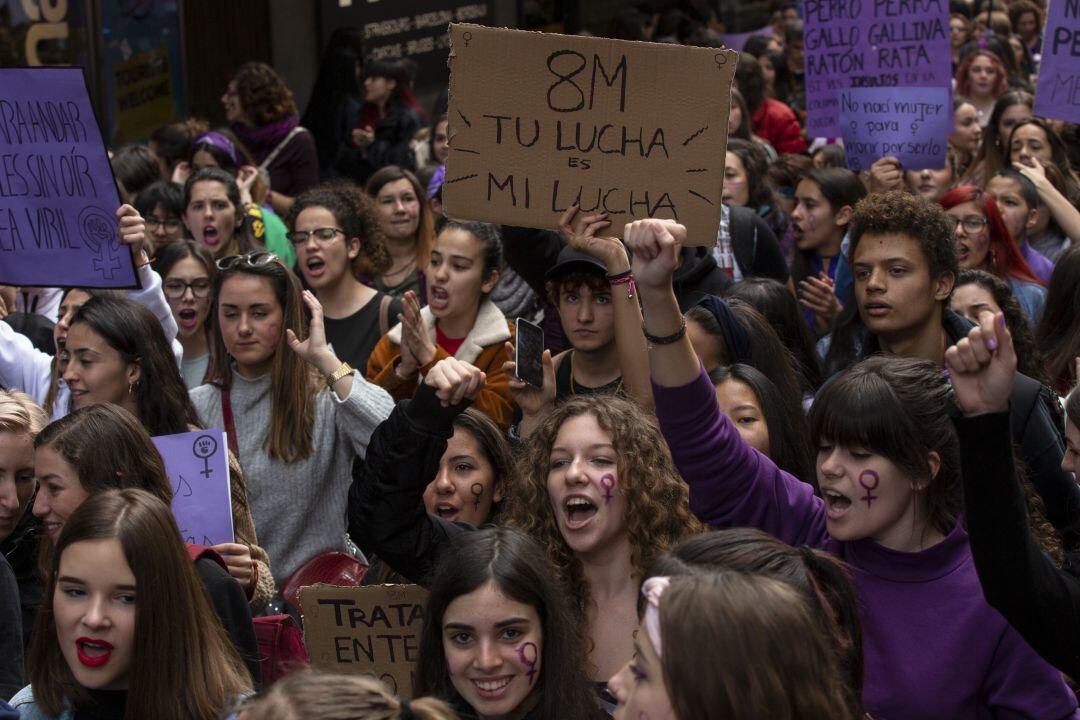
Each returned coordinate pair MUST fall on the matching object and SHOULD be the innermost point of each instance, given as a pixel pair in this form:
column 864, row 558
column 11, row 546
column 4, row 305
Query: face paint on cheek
column 478, row 492
column 869, row 481
column 529, row 656
column 607, row 484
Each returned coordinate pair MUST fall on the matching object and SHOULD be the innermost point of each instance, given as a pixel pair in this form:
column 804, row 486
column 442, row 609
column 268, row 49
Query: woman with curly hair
column 338, row 240
column 263, row 114
column 596, row 487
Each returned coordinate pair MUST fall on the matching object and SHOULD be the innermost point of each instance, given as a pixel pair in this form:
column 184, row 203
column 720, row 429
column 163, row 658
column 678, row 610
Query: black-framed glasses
column 252, row 259
column 971, row 223
column 175, row 289
column 322, row 235
column 169, row 224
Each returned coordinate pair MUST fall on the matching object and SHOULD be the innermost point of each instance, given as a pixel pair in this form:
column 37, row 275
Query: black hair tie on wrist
column 406, row 710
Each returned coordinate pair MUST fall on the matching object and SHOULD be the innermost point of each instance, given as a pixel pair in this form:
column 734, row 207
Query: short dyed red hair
column 1007, row 262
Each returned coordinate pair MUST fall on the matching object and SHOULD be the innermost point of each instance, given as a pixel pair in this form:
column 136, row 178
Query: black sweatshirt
column 1018, row 580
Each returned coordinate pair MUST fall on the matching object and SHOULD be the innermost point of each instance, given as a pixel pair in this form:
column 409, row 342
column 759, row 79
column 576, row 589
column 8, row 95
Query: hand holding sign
column 580, row 232
column 982, row 366
column 238, row 562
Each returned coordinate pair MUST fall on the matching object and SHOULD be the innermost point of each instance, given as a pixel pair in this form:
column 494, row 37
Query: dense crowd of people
column 823, row 469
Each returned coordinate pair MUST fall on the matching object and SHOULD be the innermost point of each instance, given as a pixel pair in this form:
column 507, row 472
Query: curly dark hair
column 1029, row 358
column 263, row 94
column 917, row 217
column 355, row 215
column 657, row 499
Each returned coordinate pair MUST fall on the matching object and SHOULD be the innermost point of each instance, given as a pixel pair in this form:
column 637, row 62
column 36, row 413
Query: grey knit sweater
column 299, row 508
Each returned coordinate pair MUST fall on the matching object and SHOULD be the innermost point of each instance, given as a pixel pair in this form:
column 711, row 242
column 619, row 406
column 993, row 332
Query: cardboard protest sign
column 367, row 630
column 910, row 124
column 876, row 43
column 198, row 469
column 1058, row 92
column 539, row 121
column 58, row 198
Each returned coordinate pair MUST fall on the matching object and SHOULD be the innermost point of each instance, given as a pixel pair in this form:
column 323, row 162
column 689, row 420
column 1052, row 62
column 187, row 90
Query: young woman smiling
column 407, row 224
column 460, row 320
column 127, row 631
column 338, row 240
column 499, row 639
column 296, row 415
column 888, row 468
column 188, row 270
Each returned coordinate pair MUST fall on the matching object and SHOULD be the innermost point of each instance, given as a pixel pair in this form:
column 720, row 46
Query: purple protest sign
column 58, row 198
column 877, row 43
column 736, row 41
column 910, row 124
column 198, row 470
column 1058, row 93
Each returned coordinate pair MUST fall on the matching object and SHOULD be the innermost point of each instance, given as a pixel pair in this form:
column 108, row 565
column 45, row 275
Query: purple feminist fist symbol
column 98, row 231
column 478, row 492
column 869, row 481
column 529, row 656
column 607, row 482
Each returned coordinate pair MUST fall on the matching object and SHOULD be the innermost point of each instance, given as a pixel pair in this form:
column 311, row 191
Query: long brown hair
column 292, row 380
column 767, row 657
column 657, row 499
column 183, row 666
column 425, row 233
column 1058, row 333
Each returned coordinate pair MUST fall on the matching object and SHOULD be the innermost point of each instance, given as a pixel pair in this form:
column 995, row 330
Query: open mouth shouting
column 578, row 511
column 315, row 267
column 836, row 504
column 210, row 235
column 93, row 653
column 447, row 511
column 438, row 297
column 187, row 318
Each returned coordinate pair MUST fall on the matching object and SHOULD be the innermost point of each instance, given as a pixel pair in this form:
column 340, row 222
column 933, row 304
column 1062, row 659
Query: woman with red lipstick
column 214, row 213
column 337, row 238
column 460, row 320
column 127, row 631
column 982, row 79
column 500, row 639
column 188, row 271
column 983, row 243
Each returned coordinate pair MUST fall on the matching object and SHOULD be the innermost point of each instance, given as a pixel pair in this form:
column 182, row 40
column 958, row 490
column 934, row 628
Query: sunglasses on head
column 251, row 259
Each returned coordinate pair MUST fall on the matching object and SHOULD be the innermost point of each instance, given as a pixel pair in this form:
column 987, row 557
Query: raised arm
column 1041, row 601
column 730, row 482
column 1063, row 212
column 582, row 232
column 386, row 501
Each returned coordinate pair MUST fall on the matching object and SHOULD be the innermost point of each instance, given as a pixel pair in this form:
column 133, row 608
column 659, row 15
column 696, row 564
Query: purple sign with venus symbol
column 58, row 198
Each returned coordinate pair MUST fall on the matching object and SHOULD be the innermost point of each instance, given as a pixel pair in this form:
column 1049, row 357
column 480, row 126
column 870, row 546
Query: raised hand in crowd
column 455, row 381
column 417, row 347
column 132, row 232
column 818, row 294
column 886, row 174
column 535, row 403
column 982, row 366
column 245, row 180
column 314, row 349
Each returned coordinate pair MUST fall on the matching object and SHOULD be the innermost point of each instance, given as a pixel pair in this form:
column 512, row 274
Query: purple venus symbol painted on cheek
column 529, row 657
column 869, row 481
column 607, row 483
column 478, row 492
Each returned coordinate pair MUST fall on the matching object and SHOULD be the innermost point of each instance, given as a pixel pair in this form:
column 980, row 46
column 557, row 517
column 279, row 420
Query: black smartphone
column 529, row 353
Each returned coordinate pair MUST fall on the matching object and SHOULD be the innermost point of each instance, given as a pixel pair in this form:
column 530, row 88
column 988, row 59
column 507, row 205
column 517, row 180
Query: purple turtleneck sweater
column 934, row 649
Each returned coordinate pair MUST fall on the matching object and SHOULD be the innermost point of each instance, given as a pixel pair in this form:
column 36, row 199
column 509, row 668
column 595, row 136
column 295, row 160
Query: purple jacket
column 1040, row 265
column 933, row 647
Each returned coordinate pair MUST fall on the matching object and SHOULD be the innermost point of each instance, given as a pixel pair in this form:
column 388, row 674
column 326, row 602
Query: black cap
column 569, row 257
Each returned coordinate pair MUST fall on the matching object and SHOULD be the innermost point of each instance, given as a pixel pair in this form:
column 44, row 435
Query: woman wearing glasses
column 188, row 271
column 337, row 238
column 295, row 413
column 983, row 243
